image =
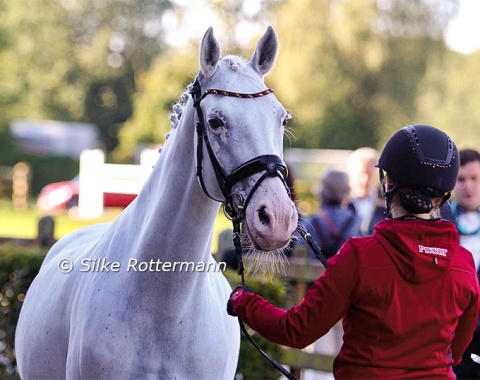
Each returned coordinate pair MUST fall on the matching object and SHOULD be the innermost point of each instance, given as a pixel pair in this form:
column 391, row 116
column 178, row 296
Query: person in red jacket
column 408, row 295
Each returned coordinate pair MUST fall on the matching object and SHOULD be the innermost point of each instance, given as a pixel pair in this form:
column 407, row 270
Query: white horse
column 130, row 307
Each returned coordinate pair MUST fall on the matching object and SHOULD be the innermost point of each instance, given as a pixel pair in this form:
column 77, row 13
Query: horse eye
column 286, row 119
column 215, row 123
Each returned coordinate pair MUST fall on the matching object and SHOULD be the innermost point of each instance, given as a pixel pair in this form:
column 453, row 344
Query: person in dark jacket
column 330, row 227
column 464, row 211
column 335, row 221
column 408, row 295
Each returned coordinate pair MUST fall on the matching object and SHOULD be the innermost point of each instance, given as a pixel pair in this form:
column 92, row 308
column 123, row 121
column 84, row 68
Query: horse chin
column 259, row 260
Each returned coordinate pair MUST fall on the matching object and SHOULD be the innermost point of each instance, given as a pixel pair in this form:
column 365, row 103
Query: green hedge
column 18, row 268
column 251, row 364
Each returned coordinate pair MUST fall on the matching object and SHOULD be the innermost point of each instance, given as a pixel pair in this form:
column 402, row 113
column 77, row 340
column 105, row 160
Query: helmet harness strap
column 388, row 195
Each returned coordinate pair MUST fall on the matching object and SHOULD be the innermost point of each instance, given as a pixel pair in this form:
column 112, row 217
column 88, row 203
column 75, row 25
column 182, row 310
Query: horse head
column 240, row 126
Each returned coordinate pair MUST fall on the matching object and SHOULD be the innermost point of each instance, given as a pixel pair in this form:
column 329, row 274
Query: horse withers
column 136, row 298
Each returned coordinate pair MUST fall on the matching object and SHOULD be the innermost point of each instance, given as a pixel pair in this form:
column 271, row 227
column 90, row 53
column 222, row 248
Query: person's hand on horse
column 237, row 292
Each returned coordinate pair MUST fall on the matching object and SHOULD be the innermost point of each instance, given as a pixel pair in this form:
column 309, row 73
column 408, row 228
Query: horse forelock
column 233, row 63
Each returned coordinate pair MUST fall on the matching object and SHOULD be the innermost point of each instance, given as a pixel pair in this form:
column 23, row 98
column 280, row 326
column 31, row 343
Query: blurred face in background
column 467, row 188
column 363, row 177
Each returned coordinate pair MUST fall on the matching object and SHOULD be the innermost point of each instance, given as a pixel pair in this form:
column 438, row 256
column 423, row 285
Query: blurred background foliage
column 19, row 266
column 351, row 72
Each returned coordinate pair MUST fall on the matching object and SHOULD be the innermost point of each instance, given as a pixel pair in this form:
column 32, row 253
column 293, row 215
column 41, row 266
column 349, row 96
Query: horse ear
column 265, row 55
column 209, row 53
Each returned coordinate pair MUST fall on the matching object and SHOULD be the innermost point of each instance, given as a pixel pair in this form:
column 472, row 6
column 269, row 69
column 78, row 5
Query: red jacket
column 408, row 296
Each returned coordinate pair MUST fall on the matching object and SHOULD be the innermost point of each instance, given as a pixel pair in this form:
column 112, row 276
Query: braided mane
column 178, row 107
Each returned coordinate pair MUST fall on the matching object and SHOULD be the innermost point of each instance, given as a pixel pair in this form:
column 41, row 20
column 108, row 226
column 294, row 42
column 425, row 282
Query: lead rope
column 241, row 269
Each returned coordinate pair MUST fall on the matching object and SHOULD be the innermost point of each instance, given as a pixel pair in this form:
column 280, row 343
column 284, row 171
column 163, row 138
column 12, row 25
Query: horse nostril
column 262, row 215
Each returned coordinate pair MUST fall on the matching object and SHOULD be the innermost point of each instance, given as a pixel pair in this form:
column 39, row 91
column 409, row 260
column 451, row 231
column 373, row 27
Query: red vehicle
column 58, row 196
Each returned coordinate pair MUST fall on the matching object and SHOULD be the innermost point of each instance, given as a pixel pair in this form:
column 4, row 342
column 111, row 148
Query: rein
column 241, row 271
column 272, row 165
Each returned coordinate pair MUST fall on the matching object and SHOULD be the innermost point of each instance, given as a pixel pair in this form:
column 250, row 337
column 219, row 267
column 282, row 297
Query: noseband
column 272, row 165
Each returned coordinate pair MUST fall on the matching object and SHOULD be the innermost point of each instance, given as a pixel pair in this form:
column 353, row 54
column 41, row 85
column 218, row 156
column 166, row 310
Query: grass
column 24, row 224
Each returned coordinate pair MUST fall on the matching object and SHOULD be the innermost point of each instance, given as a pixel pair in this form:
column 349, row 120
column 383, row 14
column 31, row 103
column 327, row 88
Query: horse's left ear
column 265, row 55
column 209, row 53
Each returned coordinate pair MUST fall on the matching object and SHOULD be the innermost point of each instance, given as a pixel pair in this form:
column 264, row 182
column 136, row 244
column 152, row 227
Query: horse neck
column 173, row 218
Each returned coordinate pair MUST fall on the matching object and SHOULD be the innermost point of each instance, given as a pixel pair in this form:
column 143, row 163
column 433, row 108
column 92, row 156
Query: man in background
column 364, row 184
column 464, row 211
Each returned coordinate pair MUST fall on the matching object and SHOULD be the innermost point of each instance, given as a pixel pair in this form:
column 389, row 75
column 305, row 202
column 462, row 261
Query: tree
column 353, row 78
column 159, row 89
column 449, row 100
column 39, row 79
column 77, row 60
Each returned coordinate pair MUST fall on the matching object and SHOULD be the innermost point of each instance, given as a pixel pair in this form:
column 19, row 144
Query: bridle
column 271, row 165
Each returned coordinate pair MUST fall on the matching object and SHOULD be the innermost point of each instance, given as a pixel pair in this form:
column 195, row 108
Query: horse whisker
column 268, row 262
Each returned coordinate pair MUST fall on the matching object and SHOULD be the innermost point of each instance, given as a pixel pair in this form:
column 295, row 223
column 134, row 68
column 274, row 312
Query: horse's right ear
column 209, row 53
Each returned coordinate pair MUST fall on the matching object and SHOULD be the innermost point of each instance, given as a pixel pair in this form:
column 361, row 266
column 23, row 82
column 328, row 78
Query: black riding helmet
column 420, row 157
